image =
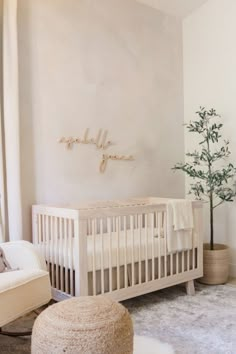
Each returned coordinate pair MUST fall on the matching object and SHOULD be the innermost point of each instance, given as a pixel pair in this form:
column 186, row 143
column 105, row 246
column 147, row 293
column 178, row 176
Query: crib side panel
column 56, row 233
column 118, row 252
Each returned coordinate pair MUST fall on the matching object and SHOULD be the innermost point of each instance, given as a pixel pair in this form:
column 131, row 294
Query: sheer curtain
column 11, row 210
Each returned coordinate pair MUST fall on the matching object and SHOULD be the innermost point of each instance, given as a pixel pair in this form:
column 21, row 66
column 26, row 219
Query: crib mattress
column 108, row 249
column 128, row 248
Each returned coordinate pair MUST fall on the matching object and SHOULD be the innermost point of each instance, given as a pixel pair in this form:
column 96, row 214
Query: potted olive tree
column 212, row 181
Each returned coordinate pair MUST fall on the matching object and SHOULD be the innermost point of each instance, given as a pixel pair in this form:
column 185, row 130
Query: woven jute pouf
column 83, row 325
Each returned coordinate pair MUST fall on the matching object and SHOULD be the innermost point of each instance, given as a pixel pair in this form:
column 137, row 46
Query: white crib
column 114, row 248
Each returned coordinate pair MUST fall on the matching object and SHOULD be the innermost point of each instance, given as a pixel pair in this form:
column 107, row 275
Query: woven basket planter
column 215, row 265
column 84, row 325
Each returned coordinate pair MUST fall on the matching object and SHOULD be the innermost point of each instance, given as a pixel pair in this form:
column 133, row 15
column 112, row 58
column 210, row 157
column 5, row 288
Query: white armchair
column 25, row 289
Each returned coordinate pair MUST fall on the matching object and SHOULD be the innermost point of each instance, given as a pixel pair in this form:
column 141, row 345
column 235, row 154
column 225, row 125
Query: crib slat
column 188, row 260
column 43, row 230
column 46, row 250
column 198, row 248
column 35, row 236
column 61, row 259
column 40, row 238
column 50, row 220
column 118, row 224
column 40, row 229
column 94, row 256
column 50, row 245
column 65, row 253
column 193, row 248
column 46, row 241
column 132, row 252
column 153, row 255
column 165, row 243
column 139, row 249
column 102, row 256
column 171, row 264
column 56, row 252
column 177, row 262
column 125, row 255
column 110, row 252
column 198, row 232
column 71, row 257
column 146, row 248
column 159, row 222
column 193, row 256
column 182, row 265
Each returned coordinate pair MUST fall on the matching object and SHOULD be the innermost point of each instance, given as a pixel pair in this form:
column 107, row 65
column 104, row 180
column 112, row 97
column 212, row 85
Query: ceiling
column 179, row 8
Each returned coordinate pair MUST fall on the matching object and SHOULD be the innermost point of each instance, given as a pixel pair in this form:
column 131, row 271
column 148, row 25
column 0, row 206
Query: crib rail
column 119, row 252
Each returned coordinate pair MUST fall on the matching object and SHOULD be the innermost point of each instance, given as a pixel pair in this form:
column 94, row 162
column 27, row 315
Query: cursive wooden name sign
column 106, row 157
column 100, row 141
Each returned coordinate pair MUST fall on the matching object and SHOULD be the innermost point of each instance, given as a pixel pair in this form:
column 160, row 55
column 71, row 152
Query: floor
column 200, row 324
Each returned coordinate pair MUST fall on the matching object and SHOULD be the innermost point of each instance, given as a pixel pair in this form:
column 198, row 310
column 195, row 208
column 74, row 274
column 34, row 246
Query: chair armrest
column 23, row 255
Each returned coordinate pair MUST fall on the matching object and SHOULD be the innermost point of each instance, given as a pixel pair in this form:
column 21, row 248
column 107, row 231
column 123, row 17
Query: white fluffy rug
column 145, row 345
column 200, row 324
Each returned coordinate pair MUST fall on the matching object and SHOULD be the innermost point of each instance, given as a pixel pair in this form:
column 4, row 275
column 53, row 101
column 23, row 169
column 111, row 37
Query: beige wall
column 210, row 80
column 112, row 64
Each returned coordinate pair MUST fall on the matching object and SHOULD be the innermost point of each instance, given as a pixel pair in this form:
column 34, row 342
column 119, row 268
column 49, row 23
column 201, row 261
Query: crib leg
column 190, row 289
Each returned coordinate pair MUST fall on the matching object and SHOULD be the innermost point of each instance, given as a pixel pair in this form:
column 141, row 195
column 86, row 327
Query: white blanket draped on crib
column 179, row 225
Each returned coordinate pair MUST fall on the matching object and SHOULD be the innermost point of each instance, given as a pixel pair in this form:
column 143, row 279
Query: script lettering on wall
column 101, row 142
column 106, row 157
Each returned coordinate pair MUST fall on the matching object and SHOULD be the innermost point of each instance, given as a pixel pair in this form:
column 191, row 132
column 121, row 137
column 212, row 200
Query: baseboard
column 232, row 270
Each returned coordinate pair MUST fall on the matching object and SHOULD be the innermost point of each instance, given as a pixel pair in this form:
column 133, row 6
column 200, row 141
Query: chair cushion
column 11, row 280
column 22, row 291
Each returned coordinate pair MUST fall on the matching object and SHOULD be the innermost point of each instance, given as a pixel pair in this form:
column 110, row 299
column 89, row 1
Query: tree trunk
column 211, row 223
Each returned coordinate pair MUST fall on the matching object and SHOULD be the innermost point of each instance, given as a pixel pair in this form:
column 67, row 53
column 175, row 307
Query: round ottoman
column 84, row 325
